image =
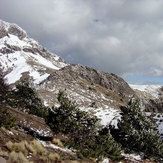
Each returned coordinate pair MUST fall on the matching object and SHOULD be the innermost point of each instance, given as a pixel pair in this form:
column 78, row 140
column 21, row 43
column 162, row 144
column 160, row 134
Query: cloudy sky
column 124, row 37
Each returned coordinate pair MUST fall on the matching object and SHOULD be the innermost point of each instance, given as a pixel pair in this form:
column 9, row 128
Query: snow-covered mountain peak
column 22, row 56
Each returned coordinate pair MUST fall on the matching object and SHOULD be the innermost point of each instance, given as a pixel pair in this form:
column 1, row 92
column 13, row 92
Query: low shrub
column 3, row 153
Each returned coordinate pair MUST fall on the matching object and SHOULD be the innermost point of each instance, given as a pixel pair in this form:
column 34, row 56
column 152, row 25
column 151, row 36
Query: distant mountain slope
column 151, row 95
column 23, row 56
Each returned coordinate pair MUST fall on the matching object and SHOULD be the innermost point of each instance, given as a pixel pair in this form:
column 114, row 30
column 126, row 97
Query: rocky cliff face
column 104, row 79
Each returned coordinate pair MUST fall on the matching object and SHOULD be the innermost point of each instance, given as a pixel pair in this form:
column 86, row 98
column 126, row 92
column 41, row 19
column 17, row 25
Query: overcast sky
column 124, row 37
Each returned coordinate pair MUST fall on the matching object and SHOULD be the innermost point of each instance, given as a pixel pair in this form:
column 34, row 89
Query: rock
column 17, row 31
column 3, row 31
column 2, row 160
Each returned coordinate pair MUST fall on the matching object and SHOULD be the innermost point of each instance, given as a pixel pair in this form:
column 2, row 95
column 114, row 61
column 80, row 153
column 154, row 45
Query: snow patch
column 107, row 115
column 55, row 147
column 13, row 41
column 42, row 61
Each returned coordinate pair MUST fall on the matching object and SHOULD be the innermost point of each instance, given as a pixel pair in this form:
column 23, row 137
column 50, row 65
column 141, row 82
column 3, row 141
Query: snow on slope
column 150, row 89
column 42, row 61
column 13, row 40
column 18, row 62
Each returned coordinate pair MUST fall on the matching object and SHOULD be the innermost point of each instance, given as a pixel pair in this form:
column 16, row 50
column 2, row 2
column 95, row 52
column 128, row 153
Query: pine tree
column 4, row 88
column 67, row 118
column 7, row 120
column 137, row 132
column 108, row 147
column 25, row 97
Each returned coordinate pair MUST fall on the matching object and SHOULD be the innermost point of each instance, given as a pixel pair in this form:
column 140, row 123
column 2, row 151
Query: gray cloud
column 124, row 37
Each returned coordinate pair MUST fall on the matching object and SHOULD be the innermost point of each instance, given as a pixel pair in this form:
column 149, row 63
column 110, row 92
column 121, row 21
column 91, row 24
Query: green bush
column 7, row 120
column 99, row 146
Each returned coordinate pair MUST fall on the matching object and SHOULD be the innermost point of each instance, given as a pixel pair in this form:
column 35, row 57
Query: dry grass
column 57, row 142
column 17, row 147
column 34, row 150
column 53, row 157
column 17, row 158
column 38, row 147
column 34, row 147
column 9, row 145
column 19, row 152
column 3, row 153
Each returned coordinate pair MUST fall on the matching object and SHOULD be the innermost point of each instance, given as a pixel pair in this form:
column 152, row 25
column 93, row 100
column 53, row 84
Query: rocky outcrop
column 2, row 160
column 17, row 31
column 156, row 104
column 109, row 81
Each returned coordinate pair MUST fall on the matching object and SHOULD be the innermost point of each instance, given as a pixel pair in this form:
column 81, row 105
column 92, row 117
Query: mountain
column 99, row 93
column 93, row 90
column 151, row 95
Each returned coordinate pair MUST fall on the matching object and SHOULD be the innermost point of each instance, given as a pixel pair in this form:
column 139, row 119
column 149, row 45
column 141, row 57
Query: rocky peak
column 7, row 28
